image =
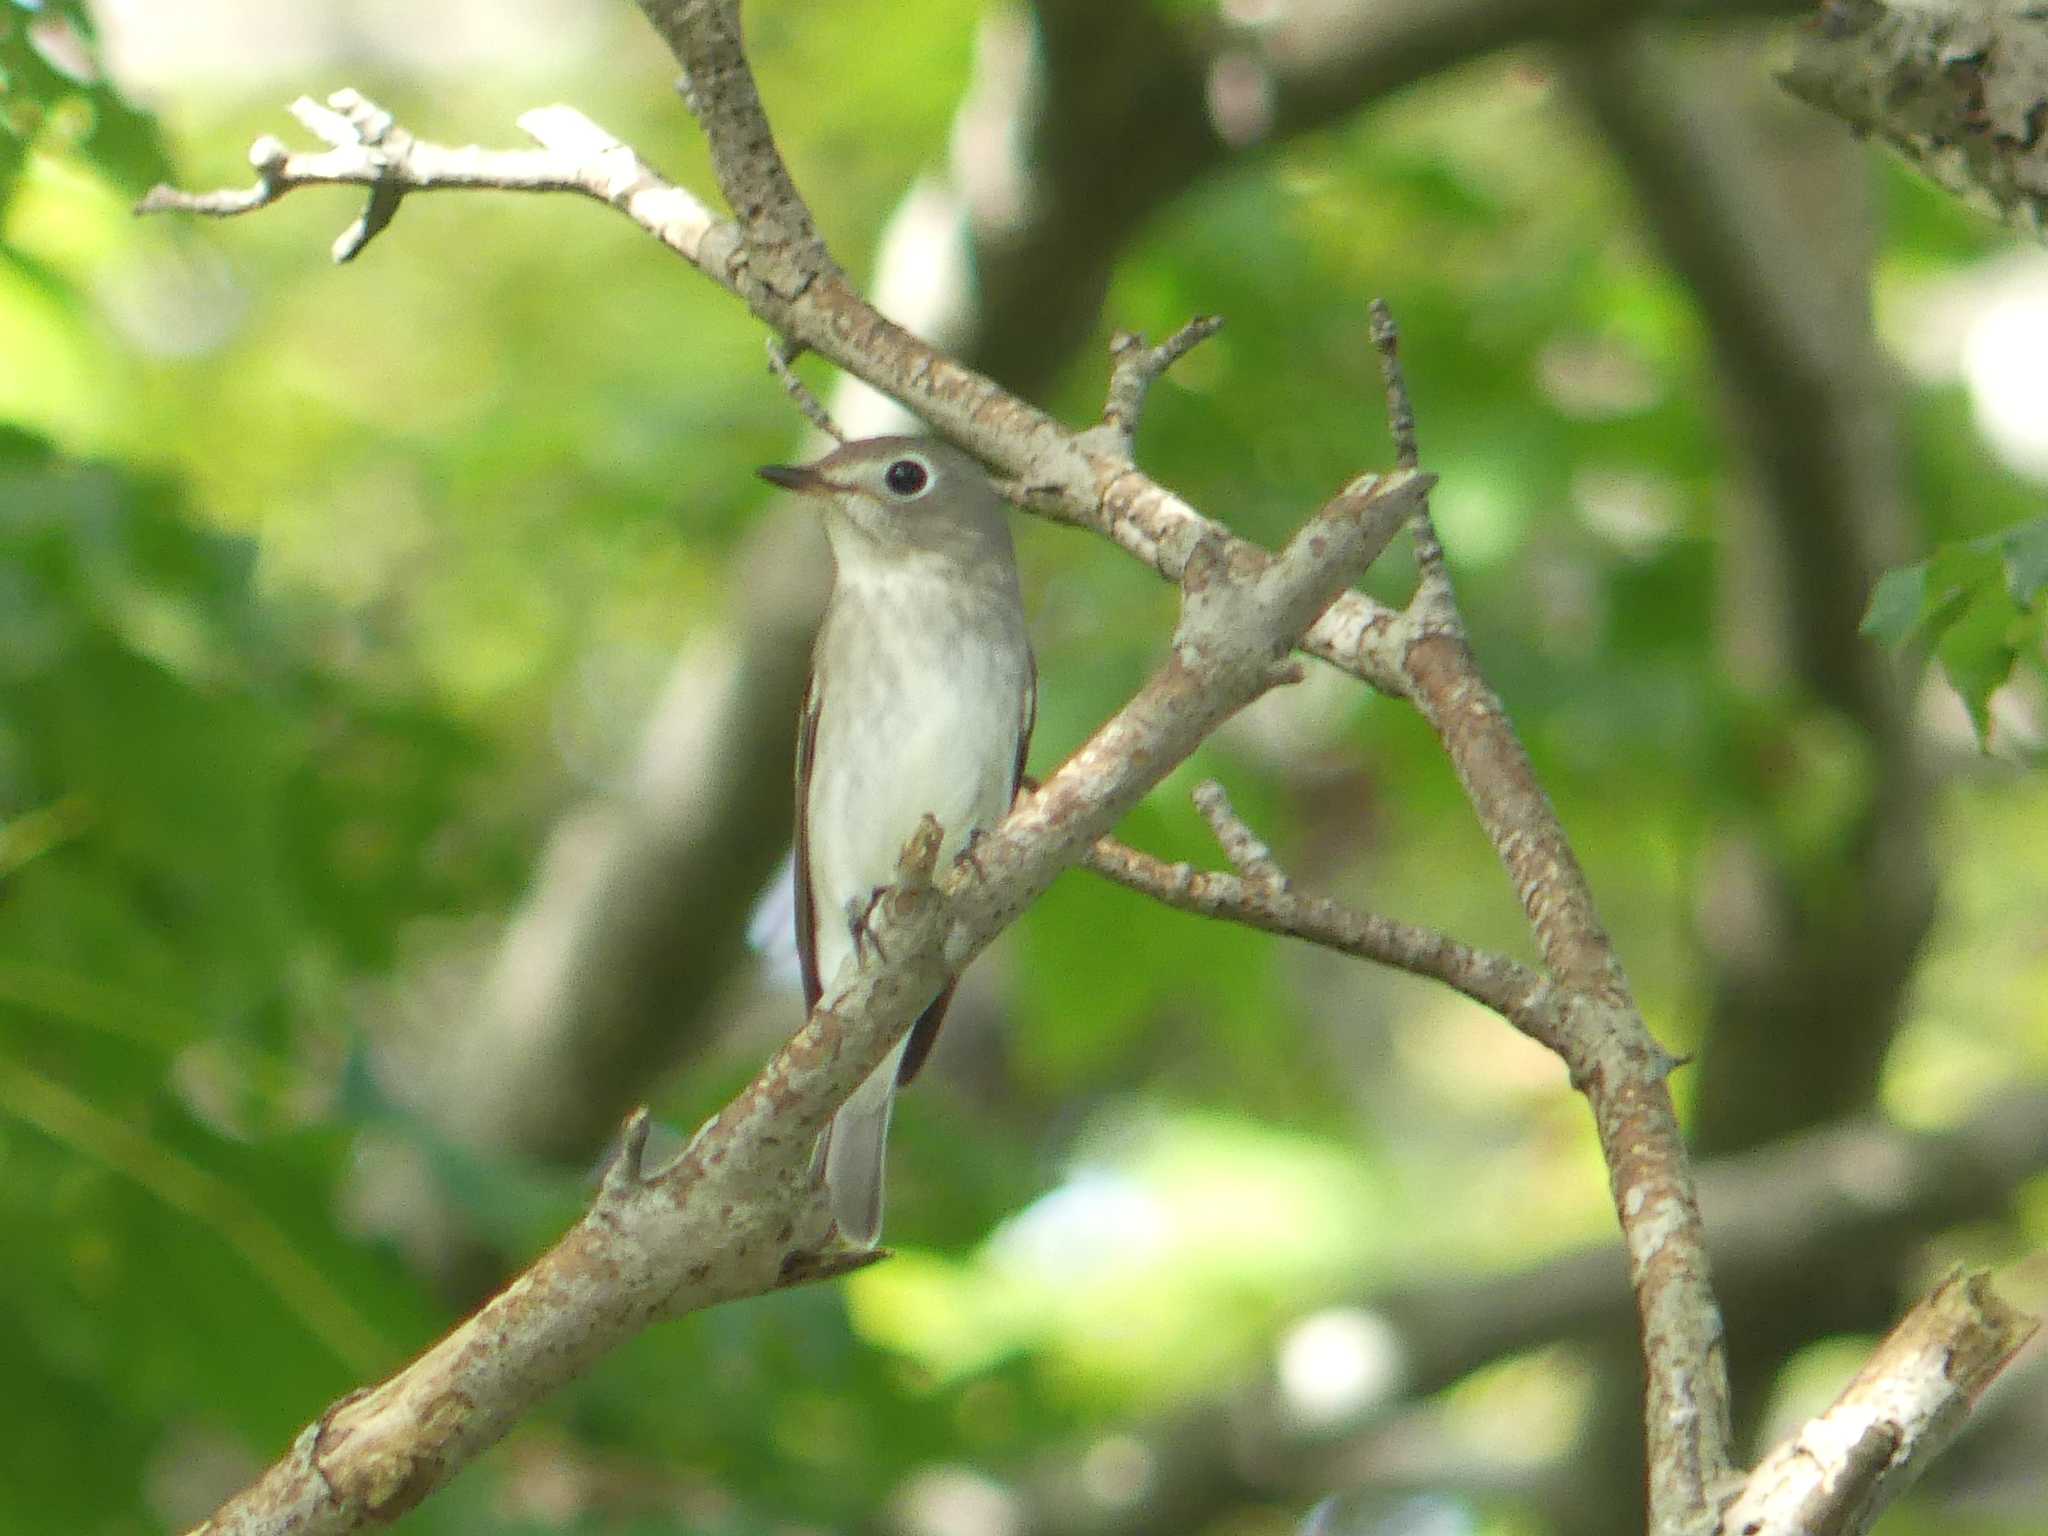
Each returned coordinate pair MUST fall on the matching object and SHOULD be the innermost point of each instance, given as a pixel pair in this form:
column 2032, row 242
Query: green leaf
column 54, row 92
column 1966, row 604
column 1976, row 653
column 1897, row 605
column 2026, row 560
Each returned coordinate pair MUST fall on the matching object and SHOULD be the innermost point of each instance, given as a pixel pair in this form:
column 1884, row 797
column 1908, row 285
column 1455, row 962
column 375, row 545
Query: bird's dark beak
column 801, row 478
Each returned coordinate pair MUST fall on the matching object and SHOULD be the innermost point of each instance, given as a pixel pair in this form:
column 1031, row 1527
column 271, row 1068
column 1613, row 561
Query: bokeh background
column 397, row 664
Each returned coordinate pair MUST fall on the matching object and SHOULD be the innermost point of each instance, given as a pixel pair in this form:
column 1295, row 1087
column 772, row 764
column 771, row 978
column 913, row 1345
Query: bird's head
column 889, row 499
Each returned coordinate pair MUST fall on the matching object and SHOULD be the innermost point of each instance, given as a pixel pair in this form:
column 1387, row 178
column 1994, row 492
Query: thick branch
column 1957, row 89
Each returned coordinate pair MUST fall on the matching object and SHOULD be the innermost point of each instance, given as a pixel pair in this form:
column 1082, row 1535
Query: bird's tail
column 855, row 1146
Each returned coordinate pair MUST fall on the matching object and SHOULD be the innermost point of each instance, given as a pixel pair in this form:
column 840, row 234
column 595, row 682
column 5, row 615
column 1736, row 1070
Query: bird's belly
column 891, row 759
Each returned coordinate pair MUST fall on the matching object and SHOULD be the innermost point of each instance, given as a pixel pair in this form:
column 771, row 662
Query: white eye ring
column 908, row 477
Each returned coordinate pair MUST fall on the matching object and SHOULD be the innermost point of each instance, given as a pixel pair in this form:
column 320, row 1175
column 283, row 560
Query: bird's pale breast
column 920, row 714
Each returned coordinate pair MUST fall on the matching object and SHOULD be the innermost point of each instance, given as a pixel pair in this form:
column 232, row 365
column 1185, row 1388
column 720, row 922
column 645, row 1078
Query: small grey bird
column 920, row 702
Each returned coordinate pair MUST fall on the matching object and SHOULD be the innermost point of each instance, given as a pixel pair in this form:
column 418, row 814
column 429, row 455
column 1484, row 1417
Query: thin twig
column 1518, row 993
column 1246, row 850
column 781, row 354
column 1386, row 340
column 1135, row 367
column 576, row 155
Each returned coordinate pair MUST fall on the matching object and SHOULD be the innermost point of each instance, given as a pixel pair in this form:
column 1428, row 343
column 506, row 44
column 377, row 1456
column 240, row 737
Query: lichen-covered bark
column 1959, row 89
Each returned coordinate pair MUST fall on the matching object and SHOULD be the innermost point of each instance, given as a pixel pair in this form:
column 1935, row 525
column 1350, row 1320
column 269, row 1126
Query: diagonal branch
column 737, row 1214
column 1078, row 478
column 1810, row 942
column 1957, row 90
column 1612, row 1056
column 1838, row 1472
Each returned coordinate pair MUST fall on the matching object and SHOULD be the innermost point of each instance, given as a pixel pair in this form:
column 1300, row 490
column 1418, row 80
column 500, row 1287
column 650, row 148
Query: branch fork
column 1136, row 367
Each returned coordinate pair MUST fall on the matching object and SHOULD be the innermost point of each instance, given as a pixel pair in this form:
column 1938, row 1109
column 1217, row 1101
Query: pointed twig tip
column 628, row 1170
column 782, row 353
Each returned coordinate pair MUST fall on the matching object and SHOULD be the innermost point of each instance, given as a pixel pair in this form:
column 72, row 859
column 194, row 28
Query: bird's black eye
column 906, row 477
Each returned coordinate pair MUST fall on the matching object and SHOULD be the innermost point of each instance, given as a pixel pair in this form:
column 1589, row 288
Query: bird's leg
column 860, row 920
column 970, row 854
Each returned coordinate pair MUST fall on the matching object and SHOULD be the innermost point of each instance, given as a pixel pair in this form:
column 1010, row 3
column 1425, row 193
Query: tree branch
column 1956, row 89
column 1838, row 1472
column 1612, row 1057
column 1260, row 898
column 1759, row 209
column 1085, row 478
column 590, row 994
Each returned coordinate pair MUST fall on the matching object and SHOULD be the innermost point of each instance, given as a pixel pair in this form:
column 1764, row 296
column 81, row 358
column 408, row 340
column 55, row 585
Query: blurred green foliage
column 322, row 593
column 54, row 92
column 1977, row 605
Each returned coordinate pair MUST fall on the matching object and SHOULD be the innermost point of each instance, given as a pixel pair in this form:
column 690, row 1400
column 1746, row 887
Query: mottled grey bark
column 1958, row 87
